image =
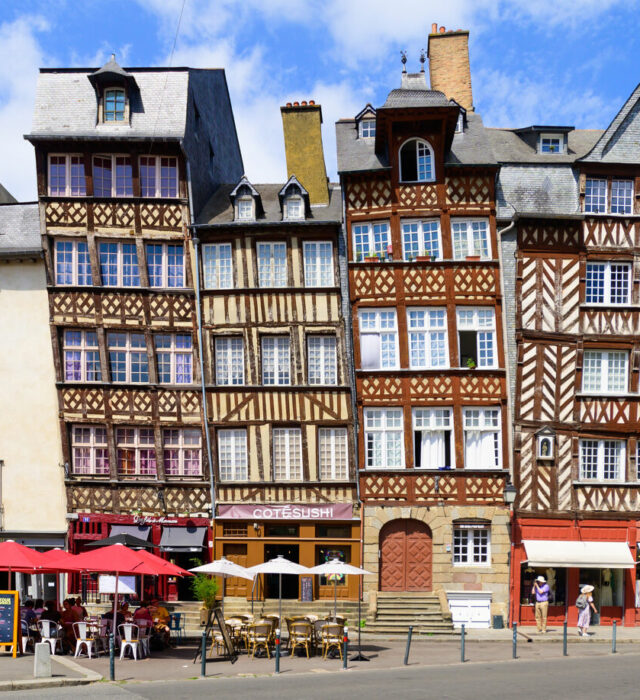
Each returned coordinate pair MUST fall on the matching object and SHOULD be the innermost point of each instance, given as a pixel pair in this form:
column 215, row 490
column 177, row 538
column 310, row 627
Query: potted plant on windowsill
column 425, row 256
column 371, row 257
column 474, row 256
column 471, row 364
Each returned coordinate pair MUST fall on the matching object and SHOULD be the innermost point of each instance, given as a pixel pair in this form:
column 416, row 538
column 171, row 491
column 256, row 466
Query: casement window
column 428, row 346
column 272, row 264
column 378, row 339
column 605, row 371
column 367, row 128
column 293, row 208
column 66, row 176
column 158, row 176
column 128, row 360
column 371, row 240
column 470, row 237
column 81, row 356
column 135, row 448
column 276, row 364
column 321, row 359
column 229, row 361
column 287, row 454
column 416, row 162
column 217, row 265
column 598, row 199
column 73, row 265
column 482, row 438
column 174, row 357
column 551, row 143
column 383, row 435
column 332, row 454
column 119, row 264
column 318, row 264
column 595, row 195
column 608, row 283
column 165, row 264
column 471, row 545
column 476, row 337
column 112, row 176
column 245, row 209
column 421, row 238
column 182, row 451
column 432, row 437
column 89, row 450
column 233, row 463
column 621, row 196
column 114, row 104
column 602, row 460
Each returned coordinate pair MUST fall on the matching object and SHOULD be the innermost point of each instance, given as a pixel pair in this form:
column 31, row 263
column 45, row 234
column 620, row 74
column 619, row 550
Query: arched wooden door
column 405, row 556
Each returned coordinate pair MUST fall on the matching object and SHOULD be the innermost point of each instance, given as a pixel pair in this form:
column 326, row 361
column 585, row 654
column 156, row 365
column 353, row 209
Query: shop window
column 608, row 587
column 234, row 530
column 555, row 577
column 282, row 531
column 326, row 554
column 333, row 531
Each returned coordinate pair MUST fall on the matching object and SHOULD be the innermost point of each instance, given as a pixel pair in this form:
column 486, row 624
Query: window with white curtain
column 272, row 264
column 233, row 463
column 476, row 337
column 605, row 371
column 229, row 360
column 287, row 454
column 321, row 359
column 318, row 264
column 428, row 345
column 378, row 339
column 276, row 364
column 383, row 436
column 421, row 238
column 332, row 454
column 602, row 460
column 470, row 237
column 482, row 438
column 432, row 437
column 217, row 266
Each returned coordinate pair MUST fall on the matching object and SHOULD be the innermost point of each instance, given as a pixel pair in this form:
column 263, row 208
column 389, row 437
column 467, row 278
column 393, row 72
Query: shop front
column 182, row 540
column 305, row 534
column 570, row 554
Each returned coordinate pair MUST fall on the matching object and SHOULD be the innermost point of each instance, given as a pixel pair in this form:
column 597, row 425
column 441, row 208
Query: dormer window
column 416, row 162
column 114, row 104
column 367, row 128
column 245, row 209
column 551, row 143
column 293, row 207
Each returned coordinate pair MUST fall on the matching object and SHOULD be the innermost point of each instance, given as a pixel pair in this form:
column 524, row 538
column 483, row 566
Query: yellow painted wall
column 32, row 480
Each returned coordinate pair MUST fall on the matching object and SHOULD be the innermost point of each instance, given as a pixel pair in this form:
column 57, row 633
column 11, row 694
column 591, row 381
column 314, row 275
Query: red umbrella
column 170, row 569
column 58, row 557
column 17, row 557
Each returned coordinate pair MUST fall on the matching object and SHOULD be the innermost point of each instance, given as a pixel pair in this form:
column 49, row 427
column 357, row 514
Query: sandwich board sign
column 9, row 620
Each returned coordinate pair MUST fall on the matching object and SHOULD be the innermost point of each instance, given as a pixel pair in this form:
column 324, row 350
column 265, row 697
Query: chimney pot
column 288, row 104
column 304, row 103
column 442, row 30
column 296, row 104
column 312, row 102
column 434, row 28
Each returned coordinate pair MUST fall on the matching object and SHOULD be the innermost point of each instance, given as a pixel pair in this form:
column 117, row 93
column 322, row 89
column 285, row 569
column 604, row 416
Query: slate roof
column 19, row 229
column 415, row 98
column 512, row 147
column 219, row 210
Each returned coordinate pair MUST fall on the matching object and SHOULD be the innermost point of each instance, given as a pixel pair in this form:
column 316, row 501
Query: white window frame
column 233, row 448
column 370, row 238
column 83, row 350
column 597, row 365
column 601, row 447
column 478, row 325
column 390, row 429
column 128, row 349
column 229, row 358
column 293, row 208
column 476, row 541
column 138, row 447
column 119, row 263
column 608, row 282
column 425, row 146
column 155, row 162
column 114, row 158
column 75, row 264
column 318, row 267
column 280, row 348
column 333, row 454
column 420, row 229
column 429, row 326
column 291, row 450
column 549, row 137
column 174, row 352
column 326, row 348
column 68, row 184
column 242, row 211
column 365, row 128
column 433, row 421
column 592, row 203
column 623, row 200
column 372, row 325
column 164, row 272
column 467, row 229
column 95, row 444
column 217, row 270
column 486, row 425
column 271, row 272
column 182, row 447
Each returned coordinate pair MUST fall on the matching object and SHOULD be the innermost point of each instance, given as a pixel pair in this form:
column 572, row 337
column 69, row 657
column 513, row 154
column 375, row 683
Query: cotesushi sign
column 293, row 511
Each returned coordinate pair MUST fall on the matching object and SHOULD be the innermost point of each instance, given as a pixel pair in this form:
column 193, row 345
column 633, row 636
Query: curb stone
column 86, row 676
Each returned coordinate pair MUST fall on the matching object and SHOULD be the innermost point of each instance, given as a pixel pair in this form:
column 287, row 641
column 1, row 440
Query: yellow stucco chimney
column 449, row 69
column 303, row 148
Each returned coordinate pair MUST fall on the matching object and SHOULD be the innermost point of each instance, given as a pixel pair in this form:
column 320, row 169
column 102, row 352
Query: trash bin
column 498, row 622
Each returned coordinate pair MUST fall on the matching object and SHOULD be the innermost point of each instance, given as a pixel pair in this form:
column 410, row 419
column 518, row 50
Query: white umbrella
column 279, row 566
column 225, row 568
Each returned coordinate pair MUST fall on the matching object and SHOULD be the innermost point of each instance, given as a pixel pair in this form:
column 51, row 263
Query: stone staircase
column 393, row 613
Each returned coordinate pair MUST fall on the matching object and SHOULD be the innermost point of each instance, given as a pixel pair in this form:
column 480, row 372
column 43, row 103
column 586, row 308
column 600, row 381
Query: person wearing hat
column 585, row 605
column 541, row 590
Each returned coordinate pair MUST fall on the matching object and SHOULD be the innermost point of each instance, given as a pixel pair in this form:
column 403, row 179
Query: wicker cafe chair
column 218, row 640
column 259, row 635
column 235, row 627
column 331, row 638
column 301, row 635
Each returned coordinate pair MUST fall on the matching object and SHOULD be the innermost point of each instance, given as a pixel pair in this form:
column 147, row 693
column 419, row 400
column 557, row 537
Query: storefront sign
column 151, row 520
column 292, row 511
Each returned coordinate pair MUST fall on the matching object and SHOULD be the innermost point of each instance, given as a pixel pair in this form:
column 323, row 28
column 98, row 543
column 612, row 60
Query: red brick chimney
column 449, row 70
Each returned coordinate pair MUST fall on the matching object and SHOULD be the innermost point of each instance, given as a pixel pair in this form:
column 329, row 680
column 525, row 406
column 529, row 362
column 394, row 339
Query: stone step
column 401, row 618
column 424, row 630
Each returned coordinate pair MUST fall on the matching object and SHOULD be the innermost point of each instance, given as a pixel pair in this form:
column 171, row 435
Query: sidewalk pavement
column 17, row 674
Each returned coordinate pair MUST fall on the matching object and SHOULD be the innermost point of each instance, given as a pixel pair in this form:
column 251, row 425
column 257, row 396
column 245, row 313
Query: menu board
column 306, row 588
column 9, row 619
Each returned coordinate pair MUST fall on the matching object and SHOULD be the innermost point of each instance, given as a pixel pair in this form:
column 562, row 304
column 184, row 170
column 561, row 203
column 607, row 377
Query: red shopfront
column 178, row 539
column 570, row 554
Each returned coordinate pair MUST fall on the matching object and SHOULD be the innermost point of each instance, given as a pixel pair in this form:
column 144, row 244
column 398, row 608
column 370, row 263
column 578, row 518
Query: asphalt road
column 615, row 677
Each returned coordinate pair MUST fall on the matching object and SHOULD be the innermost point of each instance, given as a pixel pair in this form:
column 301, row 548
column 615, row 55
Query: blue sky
column 532, row 61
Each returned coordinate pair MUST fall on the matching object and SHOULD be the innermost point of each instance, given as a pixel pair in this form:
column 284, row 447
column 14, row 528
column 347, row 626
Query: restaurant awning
column 141, row 531
column 182, row 539
column 575, row 554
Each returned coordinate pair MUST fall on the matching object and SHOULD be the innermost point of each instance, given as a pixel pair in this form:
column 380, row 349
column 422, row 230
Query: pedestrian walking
column 585, row 605
column 541, row 590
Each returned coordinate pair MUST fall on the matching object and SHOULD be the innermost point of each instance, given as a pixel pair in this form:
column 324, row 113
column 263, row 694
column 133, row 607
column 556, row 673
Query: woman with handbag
column 584, row 603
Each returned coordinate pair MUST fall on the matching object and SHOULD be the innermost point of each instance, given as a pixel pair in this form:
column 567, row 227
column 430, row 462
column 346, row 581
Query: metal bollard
column 278, row 650
column 613, row 637
column 203, row 656
column 112, row 658
column 515, row 640
column 564, row 638
column 406, row 652
column 345, row 648
column 462, row 633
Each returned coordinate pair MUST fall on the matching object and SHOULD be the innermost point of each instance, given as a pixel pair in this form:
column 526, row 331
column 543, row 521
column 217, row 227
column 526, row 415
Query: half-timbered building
column 424, row 281
column 125, row 160
column 572, row 197
column 278, row 370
